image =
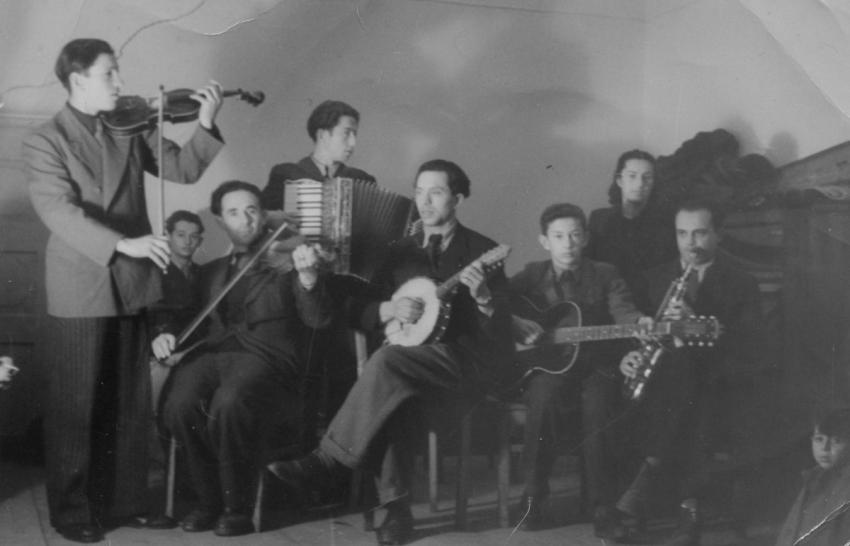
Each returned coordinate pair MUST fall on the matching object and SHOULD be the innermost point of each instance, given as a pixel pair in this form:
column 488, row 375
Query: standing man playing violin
column 87, row 187
column 372, row 429
column 227, row 395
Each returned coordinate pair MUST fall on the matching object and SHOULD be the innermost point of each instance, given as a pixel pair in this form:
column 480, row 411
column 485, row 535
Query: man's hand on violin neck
column 210, row 98
column 148, row 246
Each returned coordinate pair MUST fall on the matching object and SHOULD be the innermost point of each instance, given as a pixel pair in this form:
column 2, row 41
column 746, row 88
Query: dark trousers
column 96, row 419
column 371, row 429
column 684, row 418
column 221, row 408
column 597, row 397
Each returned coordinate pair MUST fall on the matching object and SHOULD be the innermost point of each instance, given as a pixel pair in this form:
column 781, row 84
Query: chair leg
column 462, row 493
column 503, row 468
column 170, row 477
column 432, row 470
column 257, row 516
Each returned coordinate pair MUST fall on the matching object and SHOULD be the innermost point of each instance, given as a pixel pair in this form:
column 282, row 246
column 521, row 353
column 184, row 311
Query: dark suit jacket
column 488, row 338
column 632, row 245
column 733, row 297
column 89, row 192
column 306, row 168
column 278, row 313
column 181, row 300
column 822, row 508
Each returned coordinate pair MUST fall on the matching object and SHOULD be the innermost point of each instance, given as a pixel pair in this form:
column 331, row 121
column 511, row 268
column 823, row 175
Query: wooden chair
column 507, row 413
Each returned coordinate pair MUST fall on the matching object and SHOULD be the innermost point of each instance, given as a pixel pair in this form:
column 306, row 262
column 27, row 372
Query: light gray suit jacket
column 89, row 191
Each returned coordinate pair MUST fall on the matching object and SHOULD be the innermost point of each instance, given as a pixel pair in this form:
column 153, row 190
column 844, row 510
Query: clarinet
column 651, row 351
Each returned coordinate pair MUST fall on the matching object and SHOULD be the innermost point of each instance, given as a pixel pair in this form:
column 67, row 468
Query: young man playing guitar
column 371, row 429
column 592, row 380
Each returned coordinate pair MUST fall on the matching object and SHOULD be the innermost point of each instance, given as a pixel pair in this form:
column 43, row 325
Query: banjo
column 437, row 305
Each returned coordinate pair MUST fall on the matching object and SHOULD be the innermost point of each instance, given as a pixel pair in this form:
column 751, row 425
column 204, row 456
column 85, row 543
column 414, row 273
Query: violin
column 133, row 114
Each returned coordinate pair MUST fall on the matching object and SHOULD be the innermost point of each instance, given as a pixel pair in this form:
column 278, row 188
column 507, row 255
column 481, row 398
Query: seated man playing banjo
column 472, row 350
column 589, row 379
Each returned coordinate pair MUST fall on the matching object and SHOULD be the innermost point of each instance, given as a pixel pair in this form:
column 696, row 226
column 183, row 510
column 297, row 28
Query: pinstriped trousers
column 96, row 418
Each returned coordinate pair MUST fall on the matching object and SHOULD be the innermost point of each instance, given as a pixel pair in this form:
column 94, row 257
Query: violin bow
column 199, row 318
column 160, row 119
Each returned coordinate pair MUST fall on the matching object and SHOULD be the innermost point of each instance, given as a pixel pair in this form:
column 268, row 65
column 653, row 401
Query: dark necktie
column 565, row 286
column 691, row 286
column 434, row 248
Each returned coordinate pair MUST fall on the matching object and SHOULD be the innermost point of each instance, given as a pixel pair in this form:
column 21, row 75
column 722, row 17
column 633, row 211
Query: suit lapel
column 309, row 166
column 115, row 162
column 83, row 145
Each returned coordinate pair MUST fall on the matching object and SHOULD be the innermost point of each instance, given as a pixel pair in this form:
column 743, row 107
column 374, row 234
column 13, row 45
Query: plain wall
column 535, row 104
column 535, row 99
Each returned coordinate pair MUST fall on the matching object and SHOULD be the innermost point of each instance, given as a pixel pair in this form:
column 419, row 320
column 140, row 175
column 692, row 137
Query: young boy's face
column 185, row 238
column 829, row 451
column 565, row 240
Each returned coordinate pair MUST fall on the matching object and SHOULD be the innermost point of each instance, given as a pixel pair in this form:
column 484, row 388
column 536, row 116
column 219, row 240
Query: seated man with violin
column 686, row 408
column 588, row 381
column 371, row 430
column 87, row 186
column 243, row 377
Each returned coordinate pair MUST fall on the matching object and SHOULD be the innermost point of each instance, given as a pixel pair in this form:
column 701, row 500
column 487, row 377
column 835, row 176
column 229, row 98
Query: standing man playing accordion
column 332, row 127
column 371, row 430
column 686, row 406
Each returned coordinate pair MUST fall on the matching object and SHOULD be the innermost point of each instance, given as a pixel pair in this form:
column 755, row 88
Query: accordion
column 355, row 219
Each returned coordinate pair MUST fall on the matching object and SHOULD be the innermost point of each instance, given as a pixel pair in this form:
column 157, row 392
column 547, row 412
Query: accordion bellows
column 356, row 219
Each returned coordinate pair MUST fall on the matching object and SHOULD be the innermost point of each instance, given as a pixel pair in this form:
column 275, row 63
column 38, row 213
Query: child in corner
column 821, row 514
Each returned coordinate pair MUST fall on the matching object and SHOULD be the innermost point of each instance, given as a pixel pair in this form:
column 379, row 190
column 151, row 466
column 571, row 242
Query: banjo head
column 410, row 334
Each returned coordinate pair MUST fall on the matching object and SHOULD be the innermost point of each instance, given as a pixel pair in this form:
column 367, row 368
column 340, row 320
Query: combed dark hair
column 457, row 179
column 561, row 210
column 833, row 422
column 326, row 116
column 183, row 216
column 615, row 193
column 231, row 186
column 718, row 215
column 78, row 56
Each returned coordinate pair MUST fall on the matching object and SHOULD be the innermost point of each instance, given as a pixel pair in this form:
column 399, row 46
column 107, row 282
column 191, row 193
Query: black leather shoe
column 199, row 520
column 397, row 527
column 531, row 514
column 608, row 523
column 81, row 532
column 689, row 529
column 233, row 524
column 159, row 521
column 304, row 474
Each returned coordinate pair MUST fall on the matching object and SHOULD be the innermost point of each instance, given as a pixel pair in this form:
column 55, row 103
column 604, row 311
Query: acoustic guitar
column 437, row 301
column 557, row 349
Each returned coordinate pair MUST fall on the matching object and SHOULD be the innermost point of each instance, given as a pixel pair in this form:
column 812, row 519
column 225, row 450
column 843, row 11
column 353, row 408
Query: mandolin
column 435, row 317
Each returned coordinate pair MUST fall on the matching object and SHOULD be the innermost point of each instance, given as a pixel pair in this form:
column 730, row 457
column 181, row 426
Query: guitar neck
column 600, row 333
